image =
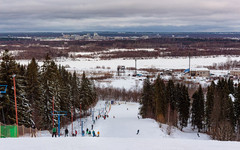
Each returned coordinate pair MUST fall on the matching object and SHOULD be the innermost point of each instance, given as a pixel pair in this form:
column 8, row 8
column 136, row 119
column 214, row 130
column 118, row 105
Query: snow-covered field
column 160, row 63
column 97, row 66
column 119, row 133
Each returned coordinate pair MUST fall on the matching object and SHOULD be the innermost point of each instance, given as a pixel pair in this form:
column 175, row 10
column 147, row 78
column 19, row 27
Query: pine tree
column 24, row 106
column 183, row 106
column 87, row 94
column 160, row 99
column 65, row 91
column 51, row 88
column 237, row 108
column 171, row 103
column 230, row 86
column 75, row 91
column 7, row 69
column 198, row 109
column 209, row 104
column 147, row 100
column 33, row 92
column 222, row 117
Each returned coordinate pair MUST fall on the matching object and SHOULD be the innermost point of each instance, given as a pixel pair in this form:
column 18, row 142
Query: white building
column 201, row 72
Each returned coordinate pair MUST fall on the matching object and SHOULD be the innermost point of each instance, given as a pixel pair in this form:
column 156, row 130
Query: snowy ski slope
column 119, row 133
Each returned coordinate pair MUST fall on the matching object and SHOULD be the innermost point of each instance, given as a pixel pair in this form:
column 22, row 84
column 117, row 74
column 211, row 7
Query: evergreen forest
column 216, row 111
column 38, row 88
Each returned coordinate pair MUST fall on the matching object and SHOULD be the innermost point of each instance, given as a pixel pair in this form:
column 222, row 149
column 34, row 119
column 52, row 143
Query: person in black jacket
column 137, row 132
column 66, row 132
column 33, row 131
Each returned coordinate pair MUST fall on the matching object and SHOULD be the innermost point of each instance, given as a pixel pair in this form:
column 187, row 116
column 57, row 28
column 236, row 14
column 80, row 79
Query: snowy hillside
column 119, row 133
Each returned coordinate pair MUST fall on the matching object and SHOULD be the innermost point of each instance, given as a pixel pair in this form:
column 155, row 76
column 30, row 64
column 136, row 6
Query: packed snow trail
column 126, row 123
column 123, row 122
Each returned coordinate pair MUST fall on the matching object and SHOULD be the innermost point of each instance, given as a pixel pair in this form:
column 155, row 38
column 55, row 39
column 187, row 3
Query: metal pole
column 15, row 97
column 237, row 130
column 82, row 127
column 168, row 112
column 93, row 116
column 59, row 125
column 0, row 129
column 72, row 119
column 53, row 110
column 189, row 65
column 80, row 113
column 135, row 66
column 3, row 116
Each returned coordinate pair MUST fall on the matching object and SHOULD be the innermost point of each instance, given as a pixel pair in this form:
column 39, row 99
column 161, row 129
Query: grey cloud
column 94, row 14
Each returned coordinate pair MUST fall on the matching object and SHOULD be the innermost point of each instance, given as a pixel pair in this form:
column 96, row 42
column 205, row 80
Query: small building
column 235, row 73
column 121, row 69
column 201, row 72
column 167, row 72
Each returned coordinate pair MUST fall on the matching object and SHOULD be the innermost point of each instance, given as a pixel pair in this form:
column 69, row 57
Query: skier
column 87, row 131
column 137, row 132
column 92, row 126
column 33, row 131
column 98, row 133
column 198, row 134
column 54, row 132
column 83, row 132
column 138, row 117
column 93, row 133
column 75, row 132
column 66, row 132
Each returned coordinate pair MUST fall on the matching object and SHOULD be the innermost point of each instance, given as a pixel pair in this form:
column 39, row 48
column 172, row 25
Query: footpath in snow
column 118, row 132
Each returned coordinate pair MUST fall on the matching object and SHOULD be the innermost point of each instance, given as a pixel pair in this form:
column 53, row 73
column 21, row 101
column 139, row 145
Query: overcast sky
column 120, row 15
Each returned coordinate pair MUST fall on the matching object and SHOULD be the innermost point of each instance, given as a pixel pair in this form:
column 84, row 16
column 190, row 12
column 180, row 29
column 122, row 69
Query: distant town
column 106, row 36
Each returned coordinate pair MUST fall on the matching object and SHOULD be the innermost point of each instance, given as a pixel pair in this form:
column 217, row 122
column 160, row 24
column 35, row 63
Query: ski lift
column 3, row 92
column 5, row 89
column 59, row 114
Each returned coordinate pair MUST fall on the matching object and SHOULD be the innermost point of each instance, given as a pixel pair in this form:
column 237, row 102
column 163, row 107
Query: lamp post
column 15, row 97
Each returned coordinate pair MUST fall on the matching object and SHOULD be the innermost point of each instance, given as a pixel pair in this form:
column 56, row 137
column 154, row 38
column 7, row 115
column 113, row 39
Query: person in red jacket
column 75, row 132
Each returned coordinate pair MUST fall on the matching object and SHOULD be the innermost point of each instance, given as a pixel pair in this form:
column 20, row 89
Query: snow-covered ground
column 99, row 67
column 160, row 63
column 119, row 133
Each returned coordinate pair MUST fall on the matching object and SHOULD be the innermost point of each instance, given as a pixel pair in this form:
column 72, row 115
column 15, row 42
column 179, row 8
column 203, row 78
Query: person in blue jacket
column 93, row 133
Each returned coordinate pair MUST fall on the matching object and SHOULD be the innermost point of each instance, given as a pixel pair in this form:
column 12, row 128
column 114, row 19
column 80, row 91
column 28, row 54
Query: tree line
column 174, row 47
column 37, row 87
column 216, row 112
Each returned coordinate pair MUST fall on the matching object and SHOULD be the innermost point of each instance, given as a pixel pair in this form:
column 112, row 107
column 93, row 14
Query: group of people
column 54, row 132
column 88, row 132
column 104, row 116
column 92, row 133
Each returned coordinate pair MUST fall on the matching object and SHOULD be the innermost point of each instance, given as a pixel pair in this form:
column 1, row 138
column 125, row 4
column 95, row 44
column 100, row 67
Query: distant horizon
column 119, row 32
